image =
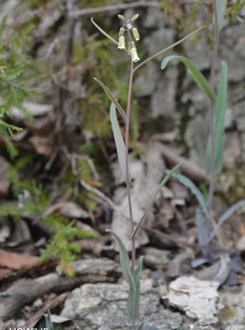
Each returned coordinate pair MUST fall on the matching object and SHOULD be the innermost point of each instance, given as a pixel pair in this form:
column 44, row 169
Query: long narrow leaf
column 198, row 77
column 118, row 140
column 124, row 260
column 113, row 99
column 164, row 181
column 226, row 216
column 103, row 31
column 194, row 189
column 137, row 273
column 221, row 7
column 169, row 47
column 219, row 121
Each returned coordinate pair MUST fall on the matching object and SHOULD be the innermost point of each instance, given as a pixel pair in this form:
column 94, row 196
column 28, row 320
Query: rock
column 236, row 327
column 196, row 137
column 159, row 40
column 233, row 300
column 198, row 299
column 146, row 81
column 232, row 42
column 232, row 150
column 104, row 307
column 163, row 99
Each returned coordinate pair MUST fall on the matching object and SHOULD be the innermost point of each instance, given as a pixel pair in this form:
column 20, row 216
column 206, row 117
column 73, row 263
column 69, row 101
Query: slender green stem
column 211, row 114
column 130, row 86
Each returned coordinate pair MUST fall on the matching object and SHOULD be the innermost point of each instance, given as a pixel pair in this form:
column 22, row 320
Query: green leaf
column 198, row 77
column 103, row 31
column 118, row 140
column 221, row 8
column 113, row 99
column 136, row 294
column 164, row 181
column 226, row 216
column 124, row 260
column 194, row 189
column 201, row 230
column 219, row 122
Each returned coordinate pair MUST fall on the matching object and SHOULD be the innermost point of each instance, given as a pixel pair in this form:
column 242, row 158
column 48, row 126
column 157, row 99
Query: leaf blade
column 121, row 152
column 124, row 260
column 219, row 121
column 113, row 99
column 198, row 77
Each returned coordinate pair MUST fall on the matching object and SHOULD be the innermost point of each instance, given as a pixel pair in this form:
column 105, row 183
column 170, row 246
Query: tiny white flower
column 121, row 43
column 136, row 34
column 134, row 54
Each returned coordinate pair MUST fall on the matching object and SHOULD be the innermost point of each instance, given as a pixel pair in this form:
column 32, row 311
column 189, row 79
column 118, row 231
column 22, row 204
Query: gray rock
column 236, row 327
column 159, row 40
column 234, row 311
column 154, row 19
column 196, row 137
column 104, row 307
column 163, row 100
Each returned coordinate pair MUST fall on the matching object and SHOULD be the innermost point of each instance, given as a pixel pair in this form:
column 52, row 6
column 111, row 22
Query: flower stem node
column 121, row 43
column 136, row 34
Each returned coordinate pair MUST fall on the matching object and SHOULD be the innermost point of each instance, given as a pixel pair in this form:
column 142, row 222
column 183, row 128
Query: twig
column 106, row 9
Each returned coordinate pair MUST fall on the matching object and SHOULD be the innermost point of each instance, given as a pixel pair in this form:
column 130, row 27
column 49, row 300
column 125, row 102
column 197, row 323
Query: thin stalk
column 131, row 293
column 211, row 113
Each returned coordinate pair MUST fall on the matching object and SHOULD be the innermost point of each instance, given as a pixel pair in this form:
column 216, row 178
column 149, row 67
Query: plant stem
column 211, row 114
column 131, row 293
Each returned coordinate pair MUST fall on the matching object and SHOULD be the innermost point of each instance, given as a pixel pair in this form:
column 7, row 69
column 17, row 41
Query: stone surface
column 236, row 327
column 198, row 299
column 104, row 307
column 233, row 300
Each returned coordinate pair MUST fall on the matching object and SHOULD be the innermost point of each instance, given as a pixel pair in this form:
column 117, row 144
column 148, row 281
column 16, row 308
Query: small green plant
column 60, row 246
column 215, row 146
column 128, row 36
column 33, row 201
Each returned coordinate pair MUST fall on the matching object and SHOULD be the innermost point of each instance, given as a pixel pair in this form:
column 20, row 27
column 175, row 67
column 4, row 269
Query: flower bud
column 121, row 43
column 134, row 18
column 136, row 34
column 121, row 17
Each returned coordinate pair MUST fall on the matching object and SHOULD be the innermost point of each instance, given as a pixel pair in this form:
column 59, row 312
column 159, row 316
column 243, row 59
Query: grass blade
column 118, row 140
column 219, row 122
column 198, row 77
column 124, row 260
column 226, row 216
column 164, row 181
column 194, row 189
column 113, row 99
